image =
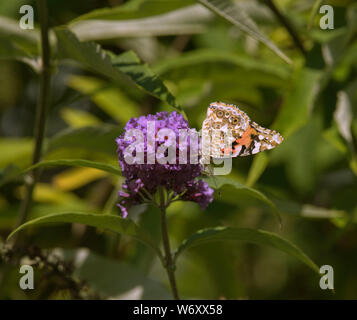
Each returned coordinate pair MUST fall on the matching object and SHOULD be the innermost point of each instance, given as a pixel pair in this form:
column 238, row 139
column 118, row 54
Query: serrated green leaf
column 129, row 64
column 108, row 222
column 243, row 234
column 94, row 58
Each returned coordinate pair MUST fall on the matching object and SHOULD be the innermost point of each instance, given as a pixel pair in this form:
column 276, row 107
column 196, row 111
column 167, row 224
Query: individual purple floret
column 143, row 180
column 200, row 192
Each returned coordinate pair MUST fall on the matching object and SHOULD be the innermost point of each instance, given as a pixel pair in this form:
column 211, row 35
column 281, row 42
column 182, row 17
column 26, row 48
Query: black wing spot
column 242, row 150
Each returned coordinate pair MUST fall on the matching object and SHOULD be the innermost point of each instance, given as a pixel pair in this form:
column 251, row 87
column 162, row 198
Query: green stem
column 288, row 26
column 113, row 198
column 41, row 111
column 169, row 265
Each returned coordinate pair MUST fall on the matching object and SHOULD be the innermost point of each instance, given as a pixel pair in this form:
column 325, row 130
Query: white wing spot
column 276, row 138
column 256, row 148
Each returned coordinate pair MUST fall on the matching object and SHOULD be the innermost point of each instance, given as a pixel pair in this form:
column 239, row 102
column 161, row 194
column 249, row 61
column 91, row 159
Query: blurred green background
column 200, row 57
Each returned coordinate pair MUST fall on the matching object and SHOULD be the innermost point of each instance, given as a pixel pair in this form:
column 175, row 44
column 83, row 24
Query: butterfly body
column 232, row 133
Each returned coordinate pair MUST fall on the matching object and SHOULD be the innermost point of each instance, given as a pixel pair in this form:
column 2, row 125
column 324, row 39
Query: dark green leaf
column 299, row 102
column 117, row 279
column 314, row 12
column 77, row 163
column 217, row 182
column 109, row 99
column 242, row 234
column 259, row 164
column 18, row 44
column 102, row 221
column 129, row 64
column 94, row 139
column 94, row 58
column 204, row 56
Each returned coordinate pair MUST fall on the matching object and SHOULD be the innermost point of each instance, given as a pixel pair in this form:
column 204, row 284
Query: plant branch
column 41, row 111
column 288, row 26
column 169, row 265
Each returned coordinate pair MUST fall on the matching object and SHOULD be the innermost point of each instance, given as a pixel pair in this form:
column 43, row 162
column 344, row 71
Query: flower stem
column 169, row 265
column 41, row 111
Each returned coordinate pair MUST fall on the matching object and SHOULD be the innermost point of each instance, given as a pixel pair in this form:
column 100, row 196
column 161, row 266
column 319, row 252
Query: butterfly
column 231, row 133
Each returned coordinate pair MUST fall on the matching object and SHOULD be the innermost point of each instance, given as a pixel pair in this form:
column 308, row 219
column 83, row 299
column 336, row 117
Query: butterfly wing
column 232, row 133
column 254, row 140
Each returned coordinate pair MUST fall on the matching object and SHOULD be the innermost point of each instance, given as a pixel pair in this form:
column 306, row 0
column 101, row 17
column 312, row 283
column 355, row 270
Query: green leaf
column 353, row 164
column 343, row 116
column 301, row 164
column 259, row 164
column 77, row 163
column 79, row 118
column 313, row 13
column 18, row 44
column 94, row 58
column 109, row 222
column 108, row 98
column 89, row 54
column 299, row 102
column 94, row 139
column 204, row 56
column 135, row 9
column 308, row 210
column 9, row 8
column 141, row 74
column 15, row 151
column 8, row 174
column 189, row 20
column 332, row 136
column 10, row 27
column 116, row 279
column 15, row 49
column 235, row 15
column 218, row 182
column 243, row 234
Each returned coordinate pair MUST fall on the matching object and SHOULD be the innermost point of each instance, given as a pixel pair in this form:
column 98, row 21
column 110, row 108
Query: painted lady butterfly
column 233, row 134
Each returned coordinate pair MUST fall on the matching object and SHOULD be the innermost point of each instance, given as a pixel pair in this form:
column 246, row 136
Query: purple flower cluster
column 143, row 179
